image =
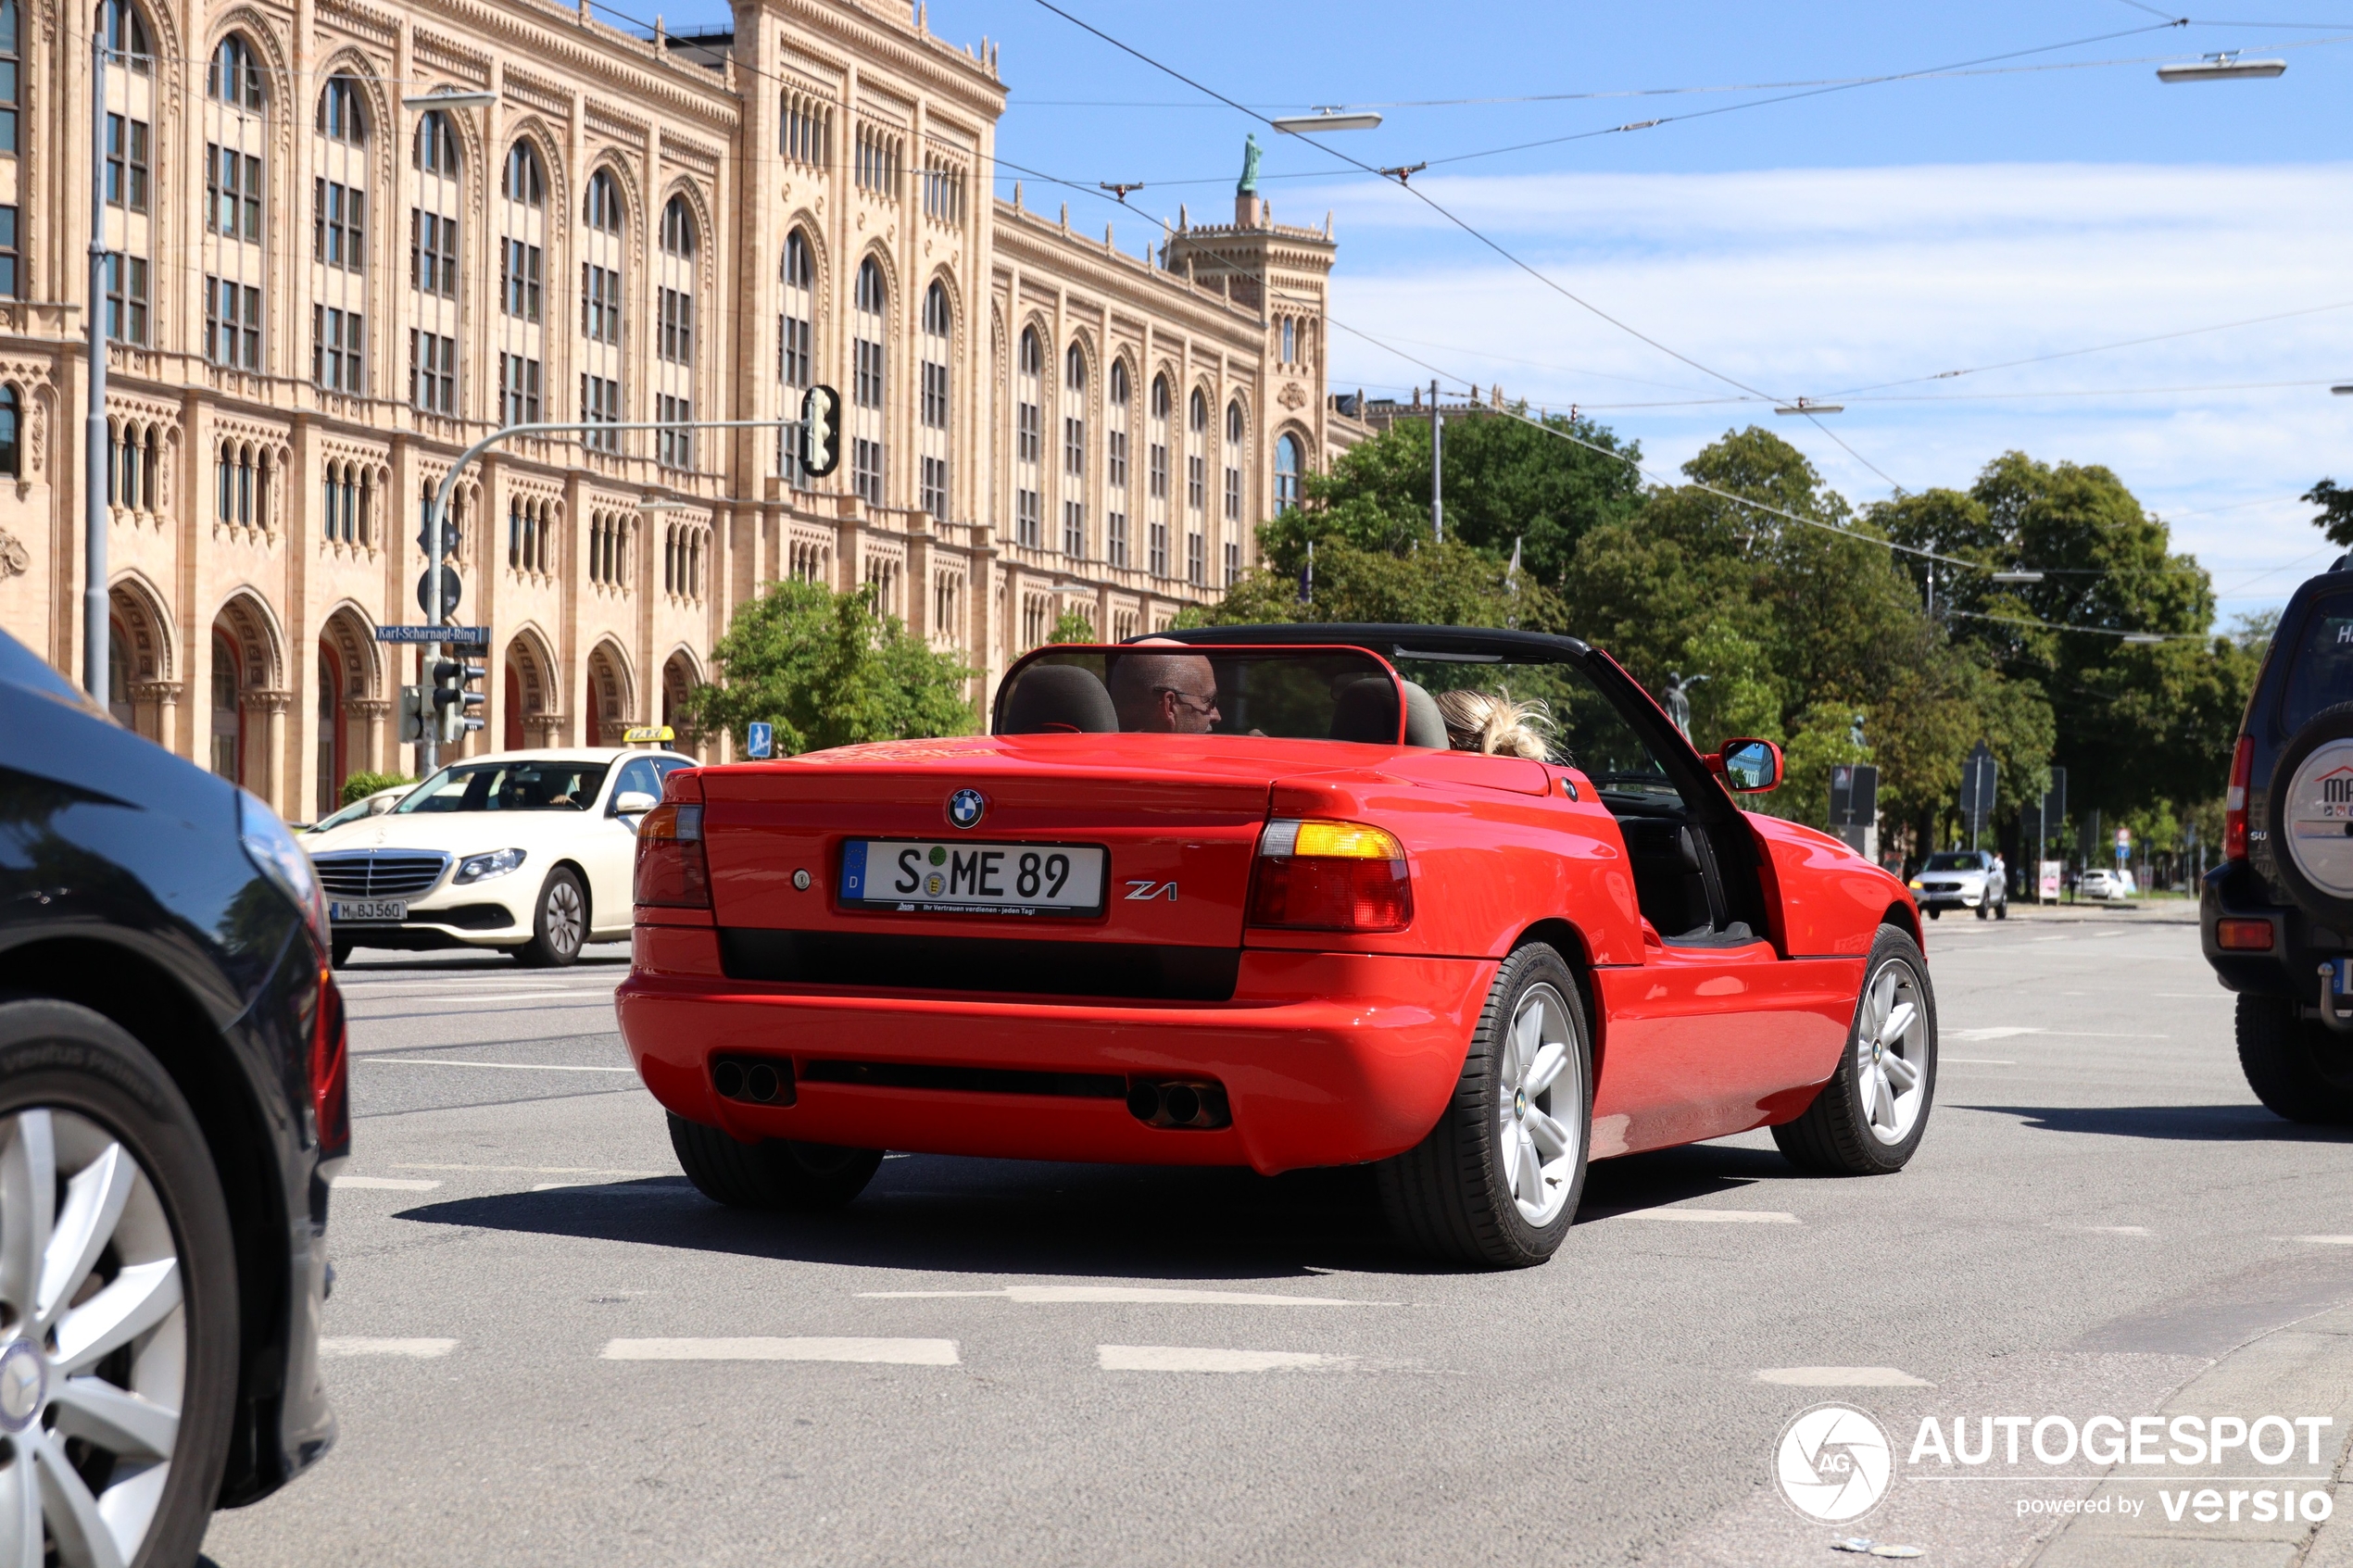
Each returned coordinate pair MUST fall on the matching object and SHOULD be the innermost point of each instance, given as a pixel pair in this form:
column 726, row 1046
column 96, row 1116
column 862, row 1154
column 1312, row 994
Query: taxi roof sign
column 648, row 734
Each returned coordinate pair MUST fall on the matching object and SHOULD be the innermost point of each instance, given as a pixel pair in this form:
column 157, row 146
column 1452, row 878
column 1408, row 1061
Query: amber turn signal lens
column 1331, row 876
column 2243, row 935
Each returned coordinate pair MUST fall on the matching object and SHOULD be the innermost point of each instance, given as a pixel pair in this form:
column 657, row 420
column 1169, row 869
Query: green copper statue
column 1252, row 152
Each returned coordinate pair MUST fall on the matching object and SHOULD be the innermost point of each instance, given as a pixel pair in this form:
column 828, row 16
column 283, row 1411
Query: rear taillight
column 671, row 872
column 1331, row 876
column 331, row 1071
column 2234, row 800
column 2243, row 935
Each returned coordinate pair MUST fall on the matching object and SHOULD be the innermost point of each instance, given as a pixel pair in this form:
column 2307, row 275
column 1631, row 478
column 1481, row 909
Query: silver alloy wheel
column 1539, row 1068
column 1891, row 1052
column 92, row 1343
column 567, row 922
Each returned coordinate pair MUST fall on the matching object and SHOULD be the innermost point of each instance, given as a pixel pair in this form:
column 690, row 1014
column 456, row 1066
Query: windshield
column 1297, row 694
column 1570, row 720
column 364, row 806
column 1954, row 863
column 535, row 785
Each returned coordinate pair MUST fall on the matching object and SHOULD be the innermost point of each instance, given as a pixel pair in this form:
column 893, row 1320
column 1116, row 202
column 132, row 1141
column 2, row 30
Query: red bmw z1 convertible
column 1275, row 897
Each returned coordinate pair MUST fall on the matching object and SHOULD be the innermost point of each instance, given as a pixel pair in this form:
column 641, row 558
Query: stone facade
column 323, row 291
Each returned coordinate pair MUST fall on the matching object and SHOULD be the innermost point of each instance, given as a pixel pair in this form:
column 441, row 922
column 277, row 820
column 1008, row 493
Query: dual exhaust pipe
column 1178, row 1104
column 755, row 1079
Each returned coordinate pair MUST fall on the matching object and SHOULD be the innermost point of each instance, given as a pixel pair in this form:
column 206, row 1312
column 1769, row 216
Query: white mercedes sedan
column 530, row 852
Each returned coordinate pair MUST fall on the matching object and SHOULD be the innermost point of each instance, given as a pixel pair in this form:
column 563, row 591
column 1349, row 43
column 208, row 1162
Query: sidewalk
column 2135, row 911
column 2304, row 1368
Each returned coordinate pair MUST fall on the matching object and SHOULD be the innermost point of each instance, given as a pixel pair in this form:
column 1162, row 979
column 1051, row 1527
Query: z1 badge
column 964, row 808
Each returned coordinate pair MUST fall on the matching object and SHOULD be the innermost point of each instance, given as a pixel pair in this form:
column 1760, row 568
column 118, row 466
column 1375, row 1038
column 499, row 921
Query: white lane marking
column 1975, row 1062
column 414, row 1349
column 2011, row 1030
column 2103, row 1230
column 2193, row 995
column 2002, row 1032
column 1129, row 1294
column 883, row 1352
column 499, row 1066
column 1842, row 1377
column 383, row 1183
column 1705, row 1216
column 524, row 1170
column 1184, row 1358
column 475, row 996
column 2322, row 1240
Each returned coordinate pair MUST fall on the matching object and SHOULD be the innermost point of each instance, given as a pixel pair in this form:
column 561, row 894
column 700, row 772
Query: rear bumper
column 1327, row 1058
column 2299, row 944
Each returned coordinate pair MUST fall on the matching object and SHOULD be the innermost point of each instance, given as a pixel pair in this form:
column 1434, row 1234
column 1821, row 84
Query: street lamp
column 2225, row 67
column 2345, row 391
column 1325, row 119
column 1808, row 405
column 477, row 99
column 2023, row 575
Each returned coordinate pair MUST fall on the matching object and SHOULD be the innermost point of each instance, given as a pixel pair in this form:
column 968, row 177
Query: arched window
column 524, row 179
column 11, row 433
column 600, row 316
column 1074, row 482
column 1156, row 502
column 678, row 229
column 341, row 116
column 1287, row 468
column 436, row 145
column 796, row 345
column 127, row 37
column 234, row 76
column 867, row 338
column 1029, row 426
column 11, row 86
column 1196, row 488
column 934, row 488
column 1233, row 536
column 1115, row 419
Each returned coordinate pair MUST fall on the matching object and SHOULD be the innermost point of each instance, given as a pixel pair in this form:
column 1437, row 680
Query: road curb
column 2305, row 1368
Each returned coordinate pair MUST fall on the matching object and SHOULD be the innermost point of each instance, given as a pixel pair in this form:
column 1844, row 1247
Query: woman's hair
column 1493, row 723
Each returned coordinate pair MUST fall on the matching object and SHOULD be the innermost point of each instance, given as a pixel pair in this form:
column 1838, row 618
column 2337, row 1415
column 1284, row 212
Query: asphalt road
column 539, row 1327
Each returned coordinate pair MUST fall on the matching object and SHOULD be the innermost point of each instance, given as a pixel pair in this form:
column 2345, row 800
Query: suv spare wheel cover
column 2319, row 817
column 2311, row 816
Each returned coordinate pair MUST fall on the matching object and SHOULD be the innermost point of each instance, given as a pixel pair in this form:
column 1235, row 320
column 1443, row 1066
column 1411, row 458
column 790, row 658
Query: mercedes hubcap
column 1542, row 1123
column 1891, row 1052
column 92, row 1370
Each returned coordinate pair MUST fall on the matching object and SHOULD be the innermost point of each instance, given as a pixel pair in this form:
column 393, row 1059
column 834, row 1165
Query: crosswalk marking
column 886, row 1353
column 413, row 1350
column 1122, row 1294
column 1188, row 1358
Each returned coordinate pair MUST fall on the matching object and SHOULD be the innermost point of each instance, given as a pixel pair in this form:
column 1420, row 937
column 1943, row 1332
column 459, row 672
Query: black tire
column 1450, row 1196
column 558, row 923
column 775, row 1174
column 1984, row 907
column 2297, row 1066
column 2001, row 909
column 2334, row 723
column 1934, row 914
column 58, row 1055
column 1833, row 1136
column 340, row 954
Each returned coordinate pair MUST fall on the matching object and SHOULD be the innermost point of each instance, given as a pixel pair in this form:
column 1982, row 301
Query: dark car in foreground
column 2276, row 916
column 172, row 1106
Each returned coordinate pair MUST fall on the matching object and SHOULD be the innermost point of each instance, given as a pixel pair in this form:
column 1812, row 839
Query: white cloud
column 1817, row 281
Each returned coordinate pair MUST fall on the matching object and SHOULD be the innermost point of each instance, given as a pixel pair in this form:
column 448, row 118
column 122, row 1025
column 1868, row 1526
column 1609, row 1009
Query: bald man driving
column 1165, row 693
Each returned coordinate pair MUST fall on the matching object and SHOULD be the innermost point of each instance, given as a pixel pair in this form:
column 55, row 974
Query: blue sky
column 1880, row 234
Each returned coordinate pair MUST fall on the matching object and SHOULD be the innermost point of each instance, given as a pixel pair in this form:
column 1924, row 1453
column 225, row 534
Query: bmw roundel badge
column 964, row 808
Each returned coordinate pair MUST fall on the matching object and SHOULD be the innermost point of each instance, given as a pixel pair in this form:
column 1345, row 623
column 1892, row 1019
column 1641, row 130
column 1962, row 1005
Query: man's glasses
column 1208, row 708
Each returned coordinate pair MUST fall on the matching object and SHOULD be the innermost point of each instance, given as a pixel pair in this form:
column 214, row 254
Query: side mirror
column 1748, row 767
column 633, row 803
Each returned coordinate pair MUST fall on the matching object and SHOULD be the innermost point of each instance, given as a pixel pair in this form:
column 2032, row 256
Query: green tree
column 827, row 671
column 1448, row 584
column 1073, row 625
column 1507, row 479
column 2335, row 521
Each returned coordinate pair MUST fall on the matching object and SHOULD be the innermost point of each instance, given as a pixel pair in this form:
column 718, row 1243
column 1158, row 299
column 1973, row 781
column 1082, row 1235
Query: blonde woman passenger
column 1494, row 724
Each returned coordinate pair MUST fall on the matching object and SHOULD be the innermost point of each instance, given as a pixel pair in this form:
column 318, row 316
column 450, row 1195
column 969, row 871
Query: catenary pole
column 95, row 622
column 1437, row 428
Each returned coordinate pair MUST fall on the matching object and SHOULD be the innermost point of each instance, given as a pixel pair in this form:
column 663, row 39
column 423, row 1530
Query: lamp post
column 429, row 749
column 95, row 622
column 1437, row 469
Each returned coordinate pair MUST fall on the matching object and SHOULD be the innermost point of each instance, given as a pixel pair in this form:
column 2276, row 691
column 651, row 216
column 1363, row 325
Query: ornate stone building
column 321, row 289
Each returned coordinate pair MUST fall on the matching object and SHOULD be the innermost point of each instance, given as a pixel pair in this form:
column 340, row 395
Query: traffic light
column 453, row 701
column 820, row 431
column 416, row 716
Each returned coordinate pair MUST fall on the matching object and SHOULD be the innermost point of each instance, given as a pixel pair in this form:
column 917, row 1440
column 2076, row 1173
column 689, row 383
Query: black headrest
column 1059, row 698
column 1425, row 725
column 1367, row 712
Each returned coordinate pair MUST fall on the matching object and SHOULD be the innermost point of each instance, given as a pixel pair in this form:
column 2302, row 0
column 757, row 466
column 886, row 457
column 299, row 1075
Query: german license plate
column 2341, row 972
column 369, row 909
column 965, row 877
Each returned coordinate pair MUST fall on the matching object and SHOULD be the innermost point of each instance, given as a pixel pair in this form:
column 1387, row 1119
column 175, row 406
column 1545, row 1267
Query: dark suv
column 2276, row 916
column 172, row 1106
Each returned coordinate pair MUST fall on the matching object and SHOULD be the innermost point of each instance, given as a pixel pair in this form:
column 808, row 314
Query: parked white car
column 530, row 852
column 374, row 805
column 2104, row 885
column 1962, row 879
